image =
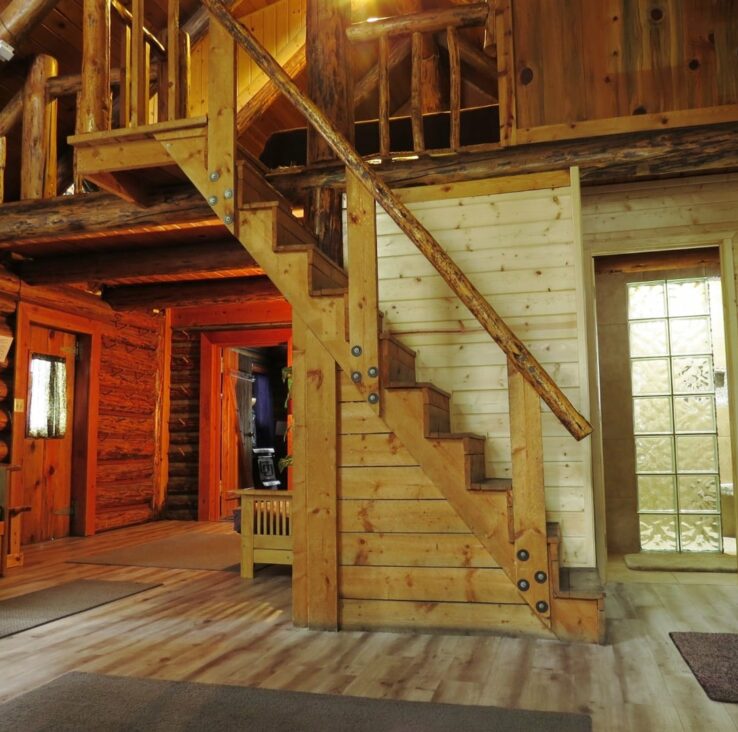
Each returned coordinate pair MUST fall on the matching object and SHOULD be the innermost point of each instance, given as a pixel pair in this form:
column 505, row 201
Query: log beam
column 602, row 160
column 20, row 17
column 95, row 214
column 201, row 292
column 193, row 259
column 431, row 21
column 38, row 151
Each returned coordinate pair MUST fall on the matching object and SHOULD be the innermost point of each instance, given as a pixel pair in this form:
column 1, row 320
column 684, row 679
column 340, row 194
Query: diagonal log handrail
column 519, row 355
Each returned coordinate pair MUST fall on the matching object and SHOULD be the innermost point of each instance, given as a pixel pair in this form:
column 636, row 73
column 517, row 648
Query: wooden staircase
column 345, row 359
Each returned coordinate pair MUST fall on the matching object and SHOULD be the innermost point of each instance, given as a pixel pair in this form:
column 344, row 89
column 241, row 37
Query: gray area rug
column 43, row 606
column 79, row 701
column 713, row 659
column 186, row 551
column 681, row 562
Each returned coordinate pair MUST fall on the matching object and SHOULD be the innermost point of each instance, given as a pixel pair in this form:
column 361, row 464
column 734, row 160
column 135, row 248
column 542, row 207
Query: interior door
column 46, row 470
column 236, row 428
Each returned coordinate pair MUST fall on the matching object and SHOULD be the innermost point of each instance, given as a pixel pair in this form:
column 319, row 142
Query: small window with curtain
column 47, row 397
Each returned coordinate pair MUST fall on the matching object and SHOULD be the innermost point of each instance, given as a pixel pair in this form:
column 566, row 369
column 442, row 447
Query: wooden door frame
column 211, row 343
column 726, row 242
column 86, row 398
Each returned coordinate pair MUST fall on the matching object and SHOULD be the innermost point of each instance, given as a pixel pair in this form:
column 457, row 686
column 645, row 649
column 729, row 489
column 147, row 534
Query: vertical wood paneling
column 519, row 250
column 280, row 27
column 617, row 58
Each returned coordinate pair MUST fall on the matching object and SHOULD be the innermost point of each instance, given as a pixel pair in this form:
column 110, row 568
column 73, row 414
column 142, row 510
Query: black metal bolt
column 373, row 398
column 523, row 585
column 373, row 371
column 542, row 606
column 523, row 555
column 356, row 376
column 540, row 577
column 356, row 350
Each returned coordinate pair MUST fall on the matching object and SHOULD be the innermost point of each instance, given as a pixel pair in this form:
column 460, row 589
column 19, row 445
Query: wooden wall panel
column 127, row 429
column 618, row 58
column 405, row 556
column 520, row 250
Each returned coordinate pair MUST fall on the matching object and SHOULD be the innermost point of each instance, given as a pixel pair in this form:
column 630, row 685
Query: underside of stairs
column 399, row 525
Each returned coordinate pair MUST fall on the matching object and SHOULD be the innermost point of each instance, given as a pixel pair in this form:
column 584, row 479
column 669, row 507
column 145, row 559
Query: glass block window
column 674, row 415
column 47, row 397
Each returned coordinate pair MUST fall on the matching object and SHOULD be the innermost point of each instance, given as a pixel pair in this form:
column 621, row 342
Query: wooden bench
column 266, row 528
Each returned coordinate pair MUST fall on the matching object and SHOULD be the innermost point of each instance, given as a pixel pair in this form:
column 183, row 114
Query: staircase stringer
column 443, row 460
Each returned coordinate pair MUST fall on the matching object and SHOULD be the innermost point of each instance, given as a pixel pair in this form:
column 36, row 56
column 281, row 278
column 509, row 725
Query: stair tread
column 492, row 484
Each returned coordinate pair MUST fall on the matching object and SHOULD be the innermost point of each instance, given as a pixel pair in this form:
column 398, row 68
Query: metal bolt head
column 228, row 194
column 523, row 585
column 356, row 376
column 228, row 220
column 540, row 576
column 373, row 371
column 214, row 176
column 523, row 555
column 373, row 398
column 542, row 606
column 212, row 200
column 356, row 350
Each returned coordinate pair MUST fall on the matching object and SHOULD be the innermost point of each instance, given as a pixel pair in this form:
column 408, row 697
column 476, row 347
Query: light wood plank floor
column 214, row 627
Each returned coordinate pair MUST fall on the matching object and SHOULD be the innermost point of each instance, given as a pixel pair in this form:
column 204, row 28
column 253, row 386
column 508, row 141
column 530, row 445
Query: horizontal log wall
column 519, row 249
column 184, row 435
column 406, row 559
column 128, row 432
column 596, row 60
column 280, row 27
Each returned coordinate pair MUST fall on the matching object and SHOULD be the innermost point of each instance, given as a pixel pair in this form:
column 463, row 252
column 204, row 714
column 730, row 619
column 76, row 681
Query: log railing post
column 139, row 75
column 38, row 151
column 384, row 98
column 363, row 300
column 416, row 93
column 172, row 90
column 455, row 87
column 529, row 517
column 95, row 103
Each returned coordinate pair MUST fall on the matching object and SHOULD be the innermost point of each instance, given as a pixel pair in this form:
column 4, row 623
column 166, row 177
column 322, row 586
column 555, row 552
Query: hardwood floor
column 213, row 627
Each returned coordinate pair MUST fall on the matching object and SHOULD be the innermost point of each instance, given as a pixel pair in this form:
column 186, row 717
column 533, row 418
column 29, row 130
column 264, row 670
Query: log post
column 173, row 49
column 95, row 105
column 330, row 86
column 38, row 152
column 455, row 88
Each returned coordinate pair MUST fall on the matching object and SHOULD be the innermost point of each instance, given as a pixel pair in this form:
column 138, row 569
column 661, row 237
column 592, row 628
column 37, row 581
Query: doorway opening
column 666, row 431
column 254, row 421
column 244, row 416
